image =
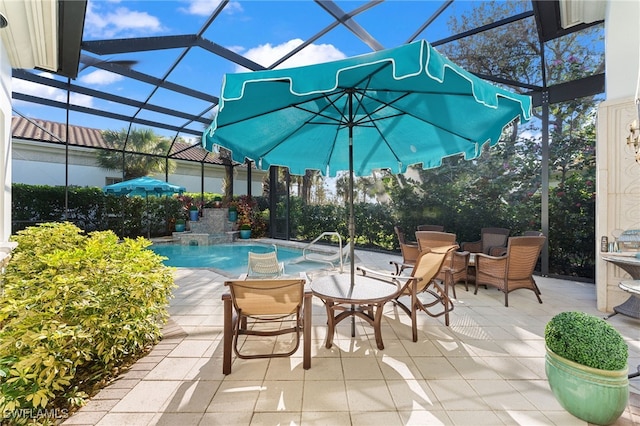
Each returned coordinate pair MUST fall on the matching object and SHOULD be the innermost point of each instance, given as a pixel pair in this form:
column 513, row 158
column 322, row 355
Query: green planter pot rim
column 590, row 370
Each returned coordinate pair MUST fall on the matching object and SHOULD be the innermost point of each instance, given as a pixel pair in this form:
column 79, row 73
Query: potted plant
column 245, row 231
column 193, row 213
column 233, row 212
column 249, row 213
column 180, row 225
column 217, row 201
column 586, row 365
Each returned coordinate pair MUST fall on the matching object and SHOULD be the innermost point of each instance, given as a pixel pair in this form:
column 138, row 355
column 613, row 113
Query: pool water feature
column 229, row 259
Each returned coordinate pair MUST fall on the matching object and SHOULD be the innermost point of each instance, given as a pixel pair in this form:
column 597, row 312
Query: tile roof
column 52, row 132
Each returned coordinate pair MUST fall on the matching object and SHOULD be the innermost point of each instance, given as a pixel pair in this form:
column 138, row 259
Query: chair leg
column 397, row 265
column 227, row 334
column 536, row 290
column 448, row 279
column 414, row 318
column 306, row 333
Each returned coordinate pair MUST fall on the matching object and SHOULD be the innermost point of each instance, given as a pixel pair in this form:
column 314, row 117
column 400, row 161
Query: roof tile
column 52, row 132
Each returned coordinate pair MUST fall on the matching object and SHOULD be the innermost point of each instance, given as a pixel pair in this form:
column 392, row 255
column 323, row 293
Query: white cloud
column 100, row 78
column 267, row 54
column 119, row 22
column 236, row 49
column 47, row 92
column 206, row 7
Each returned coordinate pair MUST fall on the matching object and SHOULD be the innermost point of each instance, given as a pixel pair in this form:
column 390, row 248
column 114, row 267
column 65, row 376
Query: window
column 112, row 180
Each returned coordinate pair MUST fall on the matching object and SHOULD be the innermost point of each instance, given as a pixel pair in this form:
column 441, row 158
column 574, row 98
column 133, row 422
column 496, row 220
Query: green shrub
column 587, row 340
column 73, row 307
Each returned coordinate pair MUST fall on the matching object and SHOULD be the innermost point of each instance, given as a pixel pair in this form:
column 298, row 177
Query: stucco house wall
column 43, row 163
column 618, row 174
column 5, row 145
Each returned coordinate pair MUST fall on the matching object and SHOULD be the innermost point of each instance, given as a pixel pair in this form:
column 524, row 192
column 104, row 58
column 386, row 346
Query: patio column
column 618, row 174
column 5, row 146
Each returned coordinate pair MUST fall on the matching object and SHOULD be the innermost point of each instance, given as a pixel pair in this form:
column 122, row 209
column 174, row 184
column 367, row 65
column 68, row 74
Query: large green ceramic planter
column 595, row 396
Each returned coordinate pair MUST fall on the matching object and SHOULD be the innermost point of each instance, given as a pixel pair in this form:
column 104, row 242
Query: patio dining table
column 631, row 265
column 365, row 300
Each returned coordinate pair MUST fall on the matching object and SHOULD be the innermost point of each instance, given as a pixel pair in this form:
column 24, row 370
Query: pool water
column 230, row 259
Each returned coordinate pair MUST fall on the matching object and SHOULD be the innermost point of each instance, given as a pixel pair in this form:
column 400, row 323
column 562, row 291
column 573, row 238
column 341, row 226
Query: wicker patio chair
column 409, row 251
column 456, row 261
column 501, row 251
column 512, row 271
column 490, row 238
column 423, row 282
column 438, row 228
column 266, row 307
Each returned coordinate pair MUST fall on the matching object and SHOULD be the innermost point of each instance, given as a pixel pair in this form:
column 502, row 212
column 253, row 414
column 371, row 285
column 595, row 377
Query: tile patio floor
column 487, row 368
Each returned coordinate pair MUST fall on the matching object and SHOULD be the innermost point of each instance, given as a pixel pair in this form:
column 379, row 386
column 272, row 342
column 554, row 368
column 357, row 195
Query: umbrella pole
column 351, row 227
column 352, row 224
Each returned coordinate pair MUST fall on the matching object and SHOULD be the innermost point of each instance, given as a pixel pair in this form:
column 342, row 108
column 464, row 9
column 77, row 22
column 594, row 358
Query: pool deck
column 486, row 368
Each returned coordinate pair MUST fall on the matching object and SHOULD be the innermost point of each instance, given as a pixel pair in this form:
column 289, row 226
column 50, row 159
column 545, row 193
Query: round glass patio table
column 364, row 300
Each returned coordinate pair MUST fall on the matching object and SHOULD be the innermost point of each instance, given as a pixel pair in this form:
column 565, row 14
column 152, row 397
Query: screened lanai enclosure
column 167, row 76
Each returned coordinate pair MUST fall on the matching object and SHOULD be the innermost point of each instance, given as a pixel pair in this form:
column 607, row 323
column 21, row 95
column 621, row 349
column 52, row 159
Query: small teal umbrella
column 143, row 187
column 384, row 110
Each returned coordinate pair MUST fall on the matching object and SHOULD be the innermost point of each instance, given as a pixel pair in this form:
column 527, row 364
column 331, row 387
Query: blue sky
column 261, row 30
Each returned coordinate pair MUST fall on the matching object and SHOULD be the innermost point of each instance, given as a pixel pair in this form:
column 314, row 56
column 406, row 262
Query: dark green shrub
column 74, row 307
column 587, row 340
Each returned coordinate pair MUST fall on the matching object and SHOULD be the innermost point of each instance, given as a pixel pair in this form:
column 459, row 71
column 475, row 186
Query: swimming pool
column 230, row 259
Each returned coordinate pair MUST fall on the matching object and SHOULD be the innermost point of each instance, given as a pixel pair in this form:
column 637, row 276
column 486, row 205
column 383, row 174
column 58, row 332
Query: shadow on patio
column 486, row 368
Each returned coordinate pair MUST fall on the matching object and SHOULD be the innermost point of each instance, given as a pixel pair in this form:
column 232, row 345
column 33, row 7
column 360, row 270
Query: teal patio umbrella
column 143, row 187
column 384, row 110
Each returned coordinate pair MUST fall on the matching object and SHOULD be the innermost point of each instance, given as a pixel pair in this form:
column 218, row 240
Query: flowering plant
column 249, row 216
column 187, row 203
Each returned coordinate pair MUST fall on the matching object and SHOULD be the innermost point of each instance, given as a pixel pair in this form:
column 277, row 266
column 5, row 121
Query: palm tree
column 226, row 157
column 137, row 153
column 227, row 184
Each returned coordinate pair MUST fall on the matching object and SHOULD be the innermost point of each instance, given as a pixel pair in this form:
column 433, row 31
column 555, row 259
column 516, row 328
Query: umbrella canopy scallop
column 397, row 107
column 143, row 186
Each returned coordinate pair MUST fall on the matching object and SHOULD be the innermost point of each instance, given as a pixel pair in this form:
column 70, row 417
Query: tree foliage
column 137, row 153
column 503, row 186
